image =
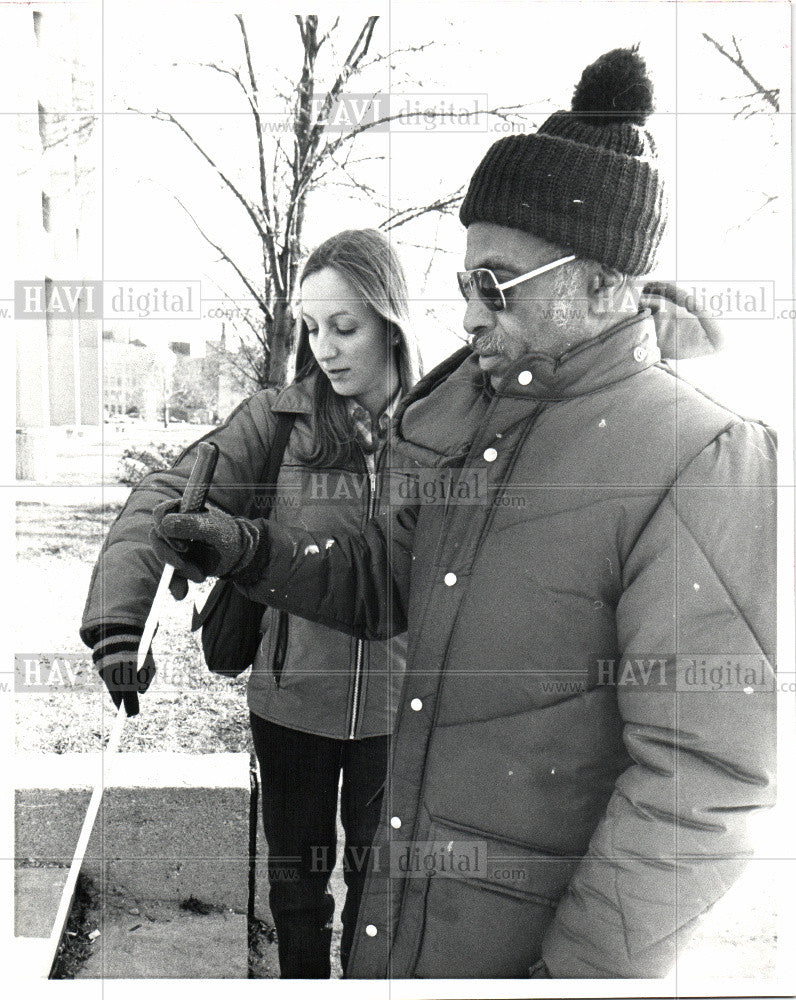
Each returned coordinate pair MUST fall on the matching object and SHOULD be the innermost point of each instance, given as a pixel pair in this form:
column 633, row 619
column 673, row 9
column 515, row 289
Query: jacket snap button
column 416, row 704
column 395, row 823
column 450, row 579
column 640, row 353
column 490, row 455
column 524, row 378
column 371, row 930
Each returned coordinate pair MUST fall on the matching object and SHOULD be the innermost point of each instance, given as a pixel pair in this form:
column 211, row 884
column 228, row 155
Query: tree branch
column 444, row 204
column 224, row 70
column 328, row 34
column 772, row 96
column 396, row 52
column 255, row 294
column 165, row 116
column 350, row 66
column 269, row 245
column 769, row 198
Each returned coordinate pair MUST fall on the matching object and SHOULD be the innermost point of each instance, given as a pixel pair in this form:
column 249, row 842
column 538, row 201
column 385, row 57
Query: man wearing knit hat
column 588, row 716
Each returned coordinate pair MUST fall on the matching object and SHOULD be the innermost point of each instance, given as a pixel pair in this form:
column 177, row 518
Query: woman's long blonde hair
column 368, row 261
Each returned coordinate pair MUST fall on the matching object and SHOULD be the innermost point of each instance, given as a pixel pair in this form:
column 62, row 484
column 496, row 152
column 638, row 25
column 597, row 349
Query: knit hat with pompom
column 588, row 179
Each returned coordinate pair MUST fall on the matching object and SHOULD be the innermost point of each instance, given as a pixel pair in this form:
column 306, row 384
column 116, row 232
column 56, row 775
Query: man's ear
column 611, row 291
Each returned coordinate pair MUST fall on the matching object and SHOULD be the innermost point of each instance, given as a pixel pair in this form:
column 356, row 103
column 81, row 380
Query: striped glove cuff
column 115, row 644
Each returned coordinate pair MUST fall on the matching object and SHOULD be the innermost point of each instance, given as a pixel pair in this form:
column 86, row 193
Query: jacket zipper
column 360, row 649
column 280, row 647
column 435, row 716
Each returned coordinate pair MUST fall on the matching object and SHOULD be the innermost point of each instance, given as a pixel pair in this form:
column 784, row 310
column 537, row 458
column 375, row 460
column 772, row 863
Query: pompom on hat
column 588, row 180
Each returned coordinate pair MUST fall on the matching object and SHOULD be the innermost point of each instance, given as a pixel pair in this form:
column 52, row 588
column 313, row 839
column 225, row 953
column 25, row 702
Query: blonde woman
column 322, row 703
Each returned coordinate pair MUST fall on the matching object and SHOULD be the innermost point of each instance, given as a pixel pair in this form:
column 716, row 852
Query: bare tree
column 760, row 99
column 318, row 149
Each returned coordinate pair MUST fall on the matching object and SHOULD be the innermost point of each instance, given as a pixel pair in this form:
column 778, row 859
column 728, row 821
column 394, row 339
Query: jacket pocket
column 280, row 646
column 487, row 904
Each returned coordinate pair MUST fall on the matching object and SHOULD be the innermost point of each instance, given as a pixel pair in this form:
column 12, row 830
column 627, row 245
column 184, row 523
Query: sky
column 721, row 169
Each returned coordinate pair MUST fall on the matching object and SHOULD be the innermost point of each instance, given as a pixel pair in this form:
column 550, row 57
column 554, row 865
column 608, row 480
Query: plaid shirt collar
column 369, row 438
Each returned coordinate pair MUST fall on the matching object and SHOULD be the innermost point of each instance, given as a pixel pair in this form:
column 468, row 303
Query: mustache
column 489, row 344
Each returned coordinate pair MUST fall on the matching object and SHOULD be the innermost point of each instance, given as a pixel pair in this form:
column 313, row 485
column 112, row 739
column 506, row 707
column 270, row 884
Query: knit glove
column 218, row 544
column 178, row 587
column 115, row 655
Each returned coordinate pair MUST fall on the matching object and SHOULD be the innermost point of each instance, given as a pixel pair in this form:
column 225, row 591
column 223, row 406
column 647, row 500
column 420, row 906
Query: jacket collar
column 438, row 420
column 621, row 351
column 297, row 397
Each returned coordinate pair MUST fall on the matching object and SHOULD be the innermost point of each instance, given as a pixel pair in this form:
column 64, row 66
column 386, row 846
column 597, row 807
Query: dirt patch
column 263, row 954
column 134, row 938
column 95, row 922
column 76, row 944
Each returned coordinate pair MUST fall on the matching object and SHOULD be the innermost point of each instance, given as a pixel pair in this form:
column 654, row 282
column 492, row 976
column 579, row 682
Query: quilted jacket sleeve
column 699, row 604
column 354, row 582
column 126, row 573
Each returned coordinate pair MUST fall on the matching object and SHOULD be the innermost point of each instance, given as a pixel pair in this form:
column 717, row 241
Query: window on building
column 45, row 211
column 48, row 317
column 42, row 125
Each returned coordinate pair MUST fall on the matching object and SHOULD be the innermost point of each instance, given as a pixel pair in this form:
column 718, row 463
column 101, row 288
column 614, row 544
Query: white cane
column 193, row 499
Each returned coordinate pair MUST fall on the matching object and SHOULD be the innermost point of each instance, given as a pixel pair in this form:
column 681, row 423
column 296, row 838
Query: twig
column 225, row 256
column 165, row 116
column 443, row 205
column 772, row 96
column 769, row 198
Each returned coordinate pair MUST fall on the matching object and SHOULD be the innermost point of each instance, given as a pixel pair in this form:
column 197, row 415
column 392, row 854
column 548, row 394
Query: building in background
column 167, row 381
column 131, row 380
column 58, row 226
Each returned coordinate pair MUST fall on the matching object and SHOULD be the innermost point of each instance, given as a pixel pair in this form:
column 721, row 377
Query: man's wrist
column 253, row 569
column 248, row 547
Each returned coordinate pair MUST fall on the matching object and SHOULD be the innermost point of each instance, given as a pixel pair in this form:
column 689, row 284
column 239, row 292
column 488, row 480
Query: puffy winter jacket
column 588, row 717
column 305, row 676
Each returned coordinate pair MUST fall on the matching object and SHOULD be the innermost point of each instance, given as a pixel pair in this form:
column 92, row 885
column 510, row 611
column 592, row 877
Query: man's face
column 543, row 314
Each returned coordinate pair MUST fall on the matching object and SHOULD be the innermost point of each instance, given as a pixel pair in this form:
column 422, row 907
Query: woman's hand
column 217, row 543
column 115, row 655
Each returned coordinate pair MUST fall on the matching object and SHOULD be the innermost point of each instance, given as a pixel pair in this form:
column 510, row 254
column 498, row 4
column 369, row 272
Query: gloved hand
column 178, row 587
column 115, row 655
column 218, row 544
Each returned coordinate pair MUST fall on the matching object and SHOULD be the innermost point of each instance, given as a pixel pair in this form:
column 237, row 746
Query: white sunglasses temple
column 534, row 274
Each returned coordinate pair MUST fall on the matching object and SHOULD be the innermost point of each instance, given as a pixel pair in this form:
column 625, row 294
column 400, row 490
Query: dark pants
column 300, row 777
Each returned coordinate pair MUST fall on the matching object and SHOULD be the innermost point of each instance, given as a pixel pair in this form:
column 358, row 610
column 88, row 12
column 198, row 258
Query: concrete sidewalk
column 170, row 825
column 172, row 828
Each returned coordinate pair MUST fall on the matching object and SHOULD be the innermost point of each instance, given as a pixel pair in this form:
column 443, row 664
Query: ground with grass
column 57, row 545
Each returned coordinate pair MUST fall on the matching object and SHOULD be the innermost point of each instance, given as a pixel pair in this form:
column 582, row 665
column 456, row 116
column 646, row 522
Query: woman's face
column 349, row 339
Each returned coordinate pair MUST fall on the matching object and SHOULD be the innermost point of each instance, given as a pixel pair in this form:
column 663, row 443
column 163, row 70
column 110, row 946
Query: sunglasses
column 482, row 281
